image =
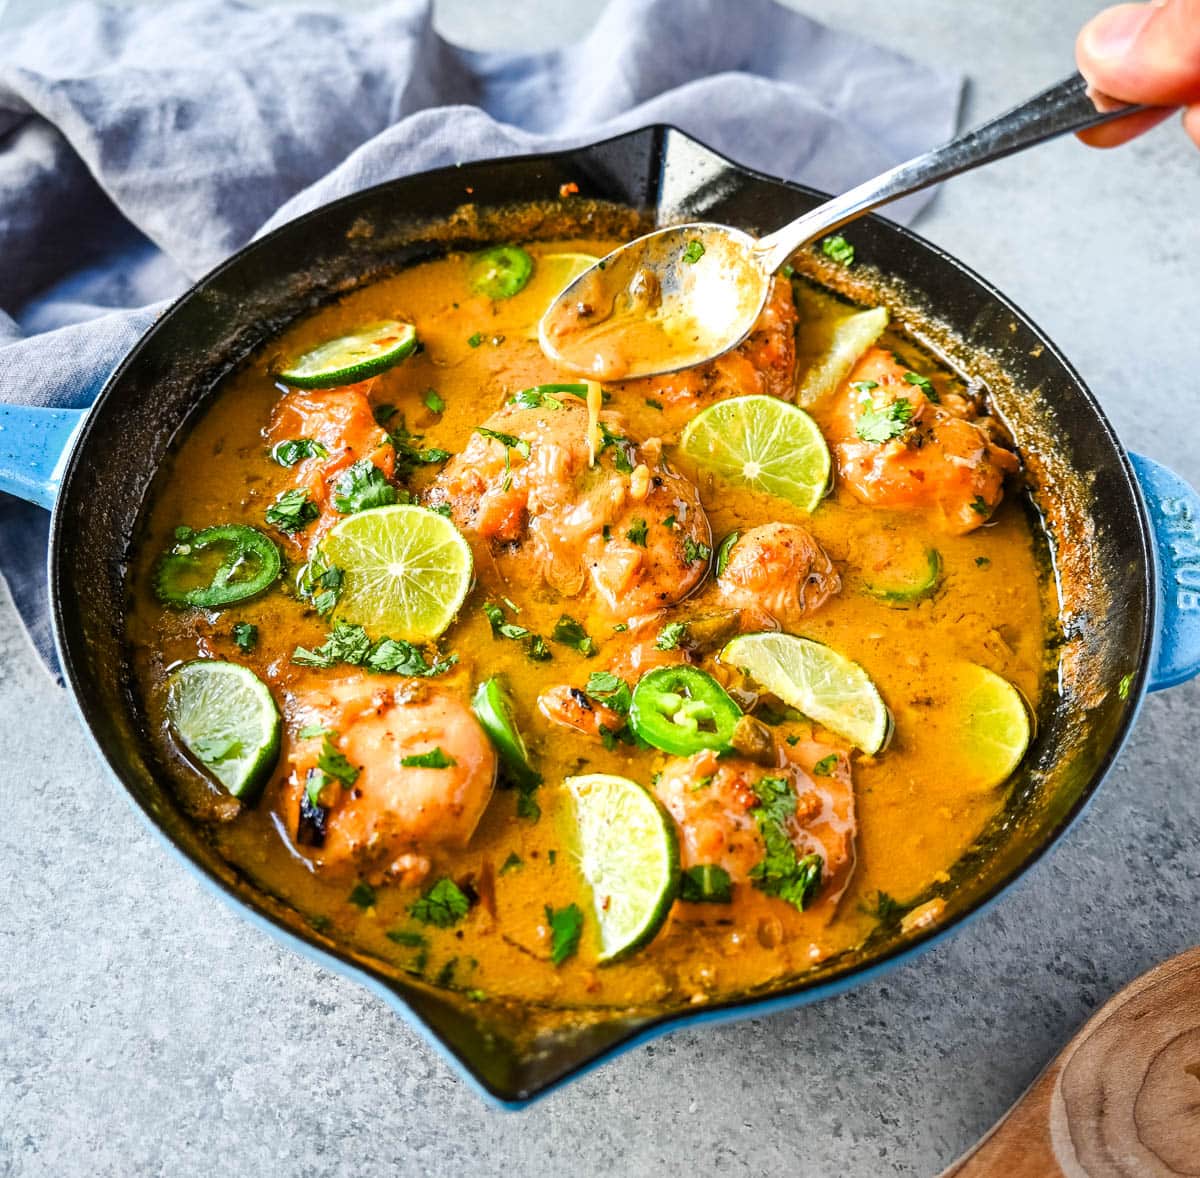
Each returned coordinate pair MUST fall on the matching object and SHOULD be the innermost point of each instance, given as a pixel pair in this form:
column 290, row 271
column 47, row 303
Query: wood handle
column 1122, row 1100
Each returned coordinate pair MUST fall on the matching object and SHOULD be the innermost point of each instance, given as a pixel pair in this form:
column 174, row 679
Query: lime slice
column 831, row 339
column 224, row 715
column 629, row 857
column 405, row 570
column 816, row 680
column 354, row 357
column 763, row 443
column 993, row 722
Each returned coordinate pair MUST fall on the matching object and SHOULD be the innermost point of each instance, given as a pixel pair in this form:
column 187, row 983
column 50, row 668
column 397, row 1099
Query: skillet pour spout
column 1134, row 614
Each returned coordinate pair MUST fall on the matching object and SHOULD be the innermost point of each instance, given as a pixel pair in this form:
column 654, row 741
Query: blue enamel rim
column 802, row 993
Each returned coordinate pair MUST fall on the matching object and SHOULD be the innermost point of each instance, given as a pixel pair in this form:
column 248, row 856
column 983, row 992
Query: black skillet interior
column 1082, row 485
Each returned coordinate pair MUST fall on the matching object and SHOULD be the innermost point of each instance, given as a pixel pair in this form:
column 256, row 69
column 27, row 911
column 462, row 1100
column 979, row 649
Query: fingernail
column 1113, row 33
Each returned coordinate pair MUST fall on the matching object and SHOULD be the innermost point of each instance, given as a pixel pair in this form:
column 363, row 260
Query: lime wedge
column 354, row 357
column 831, row 339
column 763, row 443
column 993, row 722
column 554, row 272
column 224, row 715
column 814, row 679
column 405, row 570
column 629, row 857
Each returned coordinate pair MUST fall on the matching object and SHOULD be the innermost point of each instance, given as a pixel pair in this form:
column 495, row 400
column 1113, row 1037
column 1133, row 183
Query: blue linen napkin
column 140, row 147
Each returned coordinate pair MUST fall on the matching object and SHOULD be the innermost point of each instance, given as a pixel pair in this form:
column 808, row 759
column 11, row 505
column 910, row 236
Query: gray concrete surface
column 146, row 1030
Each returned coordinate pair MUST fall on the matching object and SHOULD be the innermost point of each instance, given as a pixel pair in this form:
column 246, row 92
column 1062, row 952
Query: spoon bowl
column 668, row 300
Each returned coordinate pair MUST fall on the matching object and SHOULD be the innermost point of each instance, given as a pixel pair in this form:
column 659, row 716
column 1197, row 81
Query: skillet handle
column 1174, row 510
column 34, row 444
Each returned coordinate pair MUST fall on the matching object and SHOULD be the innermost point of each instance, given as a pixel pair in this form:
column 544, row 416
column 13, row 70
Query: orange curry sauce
column 905, row 814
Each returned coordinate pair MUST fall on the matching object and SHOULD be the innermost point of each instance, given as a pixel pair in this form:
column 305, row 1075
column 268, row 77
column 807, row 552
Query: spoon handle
column 1062, row 108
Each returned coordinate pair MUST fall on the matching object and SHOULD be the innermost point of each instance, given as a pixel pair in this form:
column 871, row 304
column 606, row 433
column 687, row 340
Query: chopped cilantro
column 475, row 340
column 693, row 552
column 545, row 396
column 670, row 636
column 781, row 872
column 311, row 730
column 884, row 908
column 410, row 938
column 707, row 883
column 1124, row 685
column 435, row 758
column 319, row 583
column 609, row 689
column 620, row 627
column 694, row 251
column 409, row 453
column 924, row 384
column 826, row 765
column 511, row 863
column 571, row 633
column 361, row 487
column 668, row 521
column 363, row 895
column 442, row 509
column 245, row 634
column 622, row 448
column 508, row 441
column 881, row 425
column 980, row 507
column 527, row 805
column 500, row 627
column 637, row 532
column 443, row 906
column 864, row 386
column 537, row 649
column 434, row 401
column 332, row 762
column 292, row 511
column 445, row 975
column 838, row 249
column 982, row 562
column 349, row 644
column 654, row 404
column 291, row 451
column 566, row 927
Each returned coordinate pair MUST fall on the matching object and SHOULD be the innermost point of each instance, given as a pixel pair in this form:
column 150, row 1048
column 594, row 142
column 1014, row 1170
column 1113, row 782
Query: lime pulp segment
column 995, row 723
column 816, row 680
column 629, row 857
column 762, row 443
column 405, row 570
column 225, row 716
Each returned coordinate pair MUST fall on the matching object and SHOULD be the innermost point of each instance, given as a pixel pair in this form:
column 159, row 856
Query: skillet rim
column 798, row 993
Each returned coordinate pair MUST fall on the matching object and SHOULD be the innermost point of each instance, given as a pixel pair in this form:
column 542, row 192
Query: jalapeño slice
column 216, row 567
column 682, row 710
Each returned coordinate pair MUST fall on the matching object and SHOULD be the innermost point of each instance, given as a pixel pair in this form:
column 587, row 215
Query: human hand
column 1144, row 53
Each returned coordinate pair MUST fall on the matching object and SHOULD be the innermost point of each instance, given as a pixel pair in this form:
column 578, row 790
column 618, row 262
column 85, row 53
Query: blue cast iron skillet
column 1123, row 543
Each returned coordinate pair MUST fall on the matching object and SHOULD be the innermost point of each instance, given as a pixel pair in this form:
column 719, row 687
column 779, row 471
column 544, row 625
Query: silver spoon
column 683, row 295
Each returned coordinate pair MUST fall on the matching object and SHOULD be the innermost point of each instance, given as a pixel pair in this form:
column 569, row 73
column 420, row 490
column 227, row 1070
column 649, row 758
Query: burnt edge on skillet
column 1081, row 481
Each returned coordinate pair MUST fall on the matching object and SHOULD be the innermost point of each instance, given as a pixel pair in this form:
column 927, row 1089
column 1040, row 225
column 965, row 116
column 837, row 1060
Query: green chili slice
column 500, row 272
column 682, row 710
column 216, row 567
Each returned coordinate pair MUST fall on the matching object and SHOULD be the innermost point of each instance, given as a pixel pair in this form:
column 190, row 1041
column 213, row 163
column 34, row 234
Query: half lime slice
column 405, row 570
column 226, row 718
column 992, row 720
column 629, row 856
column 814, row 679
column 350, row 358
column 762, row 443
column 832, row 338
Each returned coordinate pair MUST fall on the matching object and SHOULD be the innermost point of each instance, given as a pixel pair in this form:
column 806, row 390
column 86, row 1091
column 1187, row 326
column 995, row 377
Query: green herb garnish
column 781, row 872
column 363, row 486
column 694, row 251
column 566, row 927
column 571, row 633
column 610, row 690
column 511, row 863
column 924, row 384
column 637, row 532
column 443, row 906
column 692, row 551
column 825, row 766
column 289, row 452
column 245, row 635
column 838, row 249
column 433, row 401
column 363, row 895
column 670, row 636
column 882, row 425
column 292, row 511
column 435, row 758
column 706, row 883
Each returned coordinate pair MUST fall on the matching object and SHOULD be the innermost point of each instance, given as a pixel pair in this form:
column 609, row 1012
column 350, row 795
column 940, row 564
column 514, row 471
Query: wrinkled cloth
column 140, row 147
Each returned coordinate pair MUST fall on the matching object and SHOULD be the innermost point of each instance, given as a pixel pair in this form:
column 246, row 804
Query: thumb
column 1146, row 53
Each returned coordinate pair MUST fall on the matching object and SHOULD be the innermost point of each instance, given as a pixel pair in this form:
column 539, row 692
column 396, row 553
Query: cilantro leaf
column 293, row 450
column 566, row 927
column 363, row 895
column 397, row 657
column 980, row 507
column 924, row 384
column 346, row 644
column 622, row 448
column 881, row 425
column 611, row 690
column 545, row 396
column 637, row 532
column 782, row 872
column 537, row 649
column 475, row 340
column 245, row 634
column 825, row 766
column 694, row 251
column 508, row 441
column 706, row 883
column 511, row 863
column 349, row 644
column 361, row 487
column 292, row 511
column 311, row 730
column 693, row 551
column 333, row 763
column 409, row 453
column 320, row 584
column 435, row 758
column 670, row 636
column 443, row 906
column 410, row 938
column 434, row 401
column 571, row 633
